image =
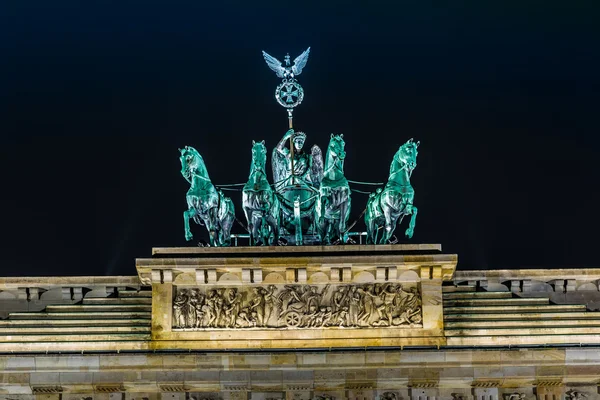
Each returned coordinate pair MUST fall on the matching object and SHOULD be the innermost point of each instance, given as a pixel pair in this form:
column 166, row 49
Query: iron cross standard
column 289, row 93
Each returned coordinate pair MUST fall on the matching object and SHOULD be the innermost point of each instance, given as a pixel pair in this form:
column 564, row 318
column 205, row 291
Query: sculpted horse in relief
column 333, row 207
column 261, row 205
column 384, row 208
column 206, row 205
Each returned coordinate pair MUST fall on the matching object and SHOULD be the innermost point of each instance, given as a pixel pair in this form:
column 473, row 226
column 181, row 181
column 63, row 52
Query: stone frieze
column 297, row 306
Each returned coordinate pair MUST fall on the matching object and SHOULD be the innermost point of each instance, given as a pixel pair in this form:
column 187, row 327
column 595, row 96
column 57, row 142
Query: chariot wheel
column 292, row 319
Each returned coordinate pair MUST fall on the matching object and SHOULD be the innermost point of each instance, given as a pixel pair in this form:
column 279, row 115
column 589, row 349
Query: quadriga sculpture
column 333, row 207
column 206, row 205
column 260, row 204
column 396, row 200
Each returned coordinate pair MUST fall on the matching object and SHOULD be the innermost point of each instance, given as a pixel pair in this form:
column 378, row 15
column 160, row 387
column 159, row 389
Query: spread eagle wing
column 274, row 64
column 300, row 62
column 316, row 170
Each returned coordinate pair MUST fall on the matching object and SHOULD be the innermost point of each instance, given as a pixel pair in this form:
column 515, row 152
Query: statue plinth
column 297, row 297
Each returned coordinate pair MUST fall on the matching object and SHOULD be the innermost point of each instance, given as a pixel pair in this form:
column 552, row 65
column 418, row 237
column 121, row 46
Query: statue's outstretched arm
column 282, row 146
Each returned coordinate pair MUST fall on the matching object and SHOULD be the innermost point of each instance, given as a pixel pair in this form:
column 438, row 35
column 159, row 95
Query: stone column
column 162, row 299
column 431, row 289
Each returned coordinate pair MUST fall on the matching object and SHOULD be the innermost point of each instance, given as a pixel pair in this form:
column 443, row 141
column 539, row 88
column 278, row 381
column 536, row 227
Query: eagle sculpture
column 287, row 71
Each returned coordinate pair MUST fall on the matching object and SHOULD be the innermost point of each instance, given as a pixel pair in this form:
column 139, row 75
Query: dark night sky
column 96, row 97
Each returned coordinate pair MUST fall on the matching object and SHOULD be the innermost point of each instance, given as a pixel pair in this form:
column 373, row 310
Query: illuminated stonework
column 483, row 335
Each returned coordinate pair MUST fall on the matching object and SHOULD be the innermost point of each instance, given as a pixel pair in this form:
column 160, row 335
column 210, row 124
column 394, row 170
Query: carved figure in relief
column 313, row 297
column 575, row 395
column 514, row 396
column 324, row 397
column 388, row 296
column 232, row 308
column 339, row 298
column 298, row 306
column 367, row 305
column 288, row 295
column 388, row 396
column 270, row 301
column 179, row 305
column 258, row 305
column 457, row 396
column 354, row 306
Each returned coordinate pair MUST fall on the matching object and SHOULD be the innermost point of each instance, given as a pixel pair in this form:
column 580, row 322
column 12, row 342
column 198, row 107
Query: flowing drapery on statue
column 260, row 204
column 386, row 206
column 333, row 208
column 297, row 177
column 206, row 205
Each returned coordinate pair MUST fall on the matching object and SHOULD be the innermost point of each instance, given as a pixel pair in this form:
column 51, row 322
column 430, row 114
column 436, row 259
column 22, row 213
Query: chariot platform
column 297, row 296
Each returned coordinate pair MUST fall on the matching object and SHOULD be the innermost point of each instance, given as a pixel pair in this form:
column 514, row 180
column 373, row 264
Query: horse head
column 192, row 163
column 407, row 155
column 336, row 147
column 259, row 155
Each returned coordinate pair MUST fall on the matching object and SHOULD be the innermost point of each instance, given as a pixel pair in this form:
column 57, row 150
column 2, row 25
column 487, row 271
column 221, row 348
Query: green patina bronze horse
column 386, row 206
column 333, row 207
column 260, row 204
column 206, row 205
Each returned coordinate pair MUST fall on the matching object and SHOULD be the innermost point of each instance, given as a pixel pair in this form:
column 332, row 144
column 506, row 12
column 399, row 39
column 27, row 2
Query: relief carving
column 298, row 306
column 575, row 395
column 515, row 396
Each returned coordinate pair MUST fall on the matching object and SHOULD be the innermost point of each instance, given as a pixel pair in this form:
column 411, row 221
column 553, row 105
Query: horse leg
column 226, row 227
column 187, row 215
column 272, row 221
column 369, row 238
column 344, row 214
column 256, row 230
column 389, row 222
column 249, row 222
column 211, row 225
column 324, row 222
column 411, row 226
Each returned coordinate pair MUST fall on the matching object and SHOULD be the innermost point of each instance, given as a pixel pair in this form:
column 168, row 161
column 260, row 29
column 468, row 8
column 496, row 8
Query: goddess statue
column 297, row 177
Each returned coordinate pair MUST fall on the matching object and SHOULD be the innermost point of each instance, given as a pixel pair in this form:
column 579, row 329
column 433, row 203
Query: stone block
column 201, row 376
column 14, row 379
column 258, row 275
column 114, row 377
column 20, row 363
column 181, row 361
column 313, row 359
column 345, row 359
column 172, row 396
column 302, row 275
column 297, row 376
column 170, row 376
column 68, row 378
column 332, row 375
column 284, row 360
column 233, row 376
column 257, row 360
column 374, row 358
column 124, row 361
column 266, row 376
